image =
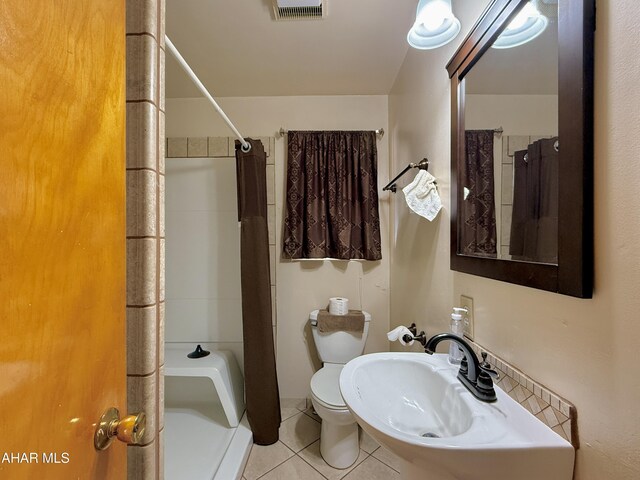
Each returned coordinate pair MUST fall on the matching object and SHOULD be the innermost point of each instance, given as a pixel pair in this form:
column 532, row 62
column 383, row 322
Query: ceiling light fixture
column 435, row 25
column 527, row 25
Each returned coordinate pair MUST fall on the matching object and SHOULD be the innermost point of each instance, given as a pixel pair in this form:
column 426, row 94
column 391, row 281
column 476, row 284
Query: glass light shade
column 435, row 25
column 528, row 24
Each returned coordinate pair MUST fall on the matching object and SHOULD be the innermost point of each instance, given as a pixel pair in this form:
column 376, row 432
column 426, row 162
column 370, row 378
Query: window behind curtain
column 332, row 196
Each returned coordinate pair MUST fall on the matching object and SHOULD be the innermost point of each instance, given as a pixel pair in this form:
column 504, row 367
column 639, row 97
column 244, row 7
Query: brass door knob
column 129, row 429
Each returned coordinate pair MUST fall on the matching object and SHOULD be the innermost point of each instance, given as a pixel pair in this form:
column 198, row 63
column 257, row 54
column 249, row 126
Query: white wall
column 582, row 349
column 304, row 286
column 516, row 114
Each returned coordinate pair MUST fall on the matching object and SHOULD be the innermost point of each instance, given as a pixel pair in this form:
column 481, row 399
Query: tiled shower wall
column 145, row 230
column 201, row 181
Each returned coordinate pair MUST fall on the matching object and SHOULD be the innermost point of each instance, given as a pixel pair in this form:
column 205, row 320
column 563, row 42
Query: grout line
column 137, row 445
column 265, row 473
column 297, row 454
column 141, row 100
column 140, row 375
column 142, row 237
column 363, row 460
column 314, row 468
column 353, row 467
column 382, row 461
column 140, row 169
column 150, row 102
column 312, row 417
column 143, row 34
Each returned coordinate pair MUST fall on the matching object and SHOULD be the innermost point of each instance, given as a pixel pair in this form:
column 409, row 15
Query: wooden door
column 62, row 236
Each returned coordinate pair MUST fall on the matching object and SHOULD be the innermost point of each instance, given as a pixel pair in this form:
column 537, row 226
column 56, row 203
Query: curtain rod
column 246, row 146
column 496, row 131
column 282, row 132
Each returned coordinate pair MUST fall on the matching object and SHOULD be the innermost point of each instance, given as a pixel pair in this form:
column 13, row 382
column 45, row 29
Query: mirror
column 509, row 175
column 522, row 147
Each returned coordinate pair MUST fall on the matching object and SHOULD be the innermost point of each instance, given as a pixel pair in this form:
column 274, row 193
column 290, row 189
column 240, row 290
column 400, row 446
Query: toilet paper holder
column 419, row 337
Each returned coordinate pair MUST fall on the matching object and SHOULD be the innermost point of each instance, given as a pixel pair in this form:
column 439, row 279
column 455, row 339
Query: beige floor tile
column 312, row 456
column 372, row 469
column 299, row 432
column 287, row 412
column 385, row 456
column 265, row 458
column 367, row 443
column 299, row 403
column 293, row 469
column 311, row 413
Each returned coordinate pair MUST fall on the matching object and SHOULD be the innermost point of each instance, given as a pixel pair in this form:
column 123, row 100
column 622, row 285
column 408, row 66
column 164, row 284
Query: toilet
column 339, row 435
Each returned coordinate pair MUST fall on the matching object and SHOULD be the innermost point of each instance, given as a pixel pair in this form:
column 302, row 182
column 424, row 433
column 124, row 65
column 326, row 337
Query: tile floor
column 296, row 456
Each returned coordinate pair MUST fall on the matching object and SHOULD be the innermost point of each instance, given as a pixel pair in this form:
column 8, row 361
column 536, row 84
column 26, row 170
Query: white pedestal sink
column 412, row 404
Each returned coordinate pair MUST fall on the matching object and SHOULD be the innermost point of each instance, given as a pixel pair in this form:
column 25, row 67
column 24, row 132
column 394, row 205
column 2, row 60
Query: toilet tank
column 338, row 347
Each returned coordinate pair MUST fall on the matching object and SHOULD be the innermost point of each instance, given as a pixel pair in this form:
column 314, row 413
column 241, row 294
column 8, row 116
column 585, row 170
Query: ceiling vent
column 299, row 9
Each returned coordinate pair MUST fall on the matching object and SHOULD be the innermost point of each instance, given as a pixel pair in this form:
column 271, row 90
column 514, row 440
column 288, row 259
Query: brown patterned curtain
column 477, row 224
column 332, row 196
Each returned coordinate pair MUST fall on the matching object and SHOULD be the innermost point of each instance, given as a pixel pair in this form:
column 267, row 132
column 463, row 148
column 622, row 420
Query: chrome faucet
column 476, row 378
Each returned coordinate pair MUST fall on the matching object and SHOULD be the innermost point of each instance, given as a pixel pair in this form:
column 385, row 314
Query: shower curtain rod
column 183, row 63
column 379, row 132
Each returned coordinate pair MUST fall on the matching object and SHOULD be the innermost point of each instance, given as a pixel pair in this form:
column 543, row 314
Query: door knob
column 129, row 429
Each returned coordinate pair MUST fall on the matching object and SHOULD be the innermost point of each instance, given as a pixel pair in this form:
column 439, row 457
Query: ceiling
column 237, row 49
column 530, row 69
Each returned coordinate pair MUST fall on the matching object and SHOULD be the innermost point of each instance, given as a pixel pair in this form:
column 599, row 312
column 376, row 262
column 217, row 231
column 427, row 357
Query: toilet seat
column 325, row 387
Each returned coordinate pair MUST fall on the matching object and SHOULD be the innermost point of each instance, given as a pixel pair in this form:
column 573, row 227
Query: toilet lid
column 325, row 385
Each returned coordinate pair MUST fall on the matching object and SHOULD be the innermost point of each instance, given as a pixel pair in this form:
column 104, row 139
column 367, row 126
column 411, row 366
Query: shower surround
column 203, row 268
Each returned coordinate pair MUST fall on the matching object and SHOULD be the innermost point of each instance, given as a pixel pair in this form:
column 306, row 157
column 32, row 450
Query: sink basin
column 413, row 405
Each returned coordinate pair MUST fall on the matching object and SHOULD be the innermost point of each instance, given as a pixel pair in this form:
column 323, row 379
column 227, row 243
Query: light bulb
column 434, row 14
column 525, row 14
column 527, row 25
column 435, row 25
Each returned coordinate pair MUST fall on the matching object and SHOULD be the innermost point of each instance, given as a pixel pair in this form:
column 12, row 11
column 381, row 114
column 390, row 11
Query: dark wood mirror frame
column 573, row 275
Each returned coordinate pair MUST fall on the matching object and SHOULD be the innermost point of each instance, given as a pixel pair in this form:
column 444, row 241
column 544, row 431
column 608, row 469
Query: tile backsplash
column 551, row 409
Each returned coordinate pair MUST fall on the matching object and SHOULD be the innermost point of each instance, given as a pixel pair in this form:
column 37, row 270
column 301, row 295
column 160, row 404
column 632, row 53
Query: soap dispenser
column 457, row 328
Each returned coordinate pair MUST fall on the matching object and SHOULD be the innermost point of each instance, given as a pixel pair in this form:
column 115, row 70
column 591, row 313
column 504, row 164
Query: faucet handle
column 486, row 367
column 484, row 363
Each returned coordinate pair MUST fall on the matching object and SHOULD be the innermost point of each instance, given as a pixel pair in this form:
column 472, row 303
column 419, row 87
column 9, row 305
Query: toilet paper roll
column 398, row 333
column 338, row 306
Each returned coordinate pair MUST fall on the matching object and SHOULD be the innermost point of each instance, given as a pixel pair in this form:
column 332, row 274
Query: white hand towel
column 422, row 195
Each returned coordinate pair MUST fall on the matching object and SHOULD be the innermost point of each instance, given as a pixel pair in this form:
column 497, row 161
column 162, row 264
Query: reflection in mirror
column 508, row 182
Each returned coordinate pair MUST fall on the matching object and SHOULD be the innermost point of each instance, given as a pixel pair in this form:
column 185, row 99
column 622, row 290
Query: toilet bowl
column 339, row 434
column 339, row 444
